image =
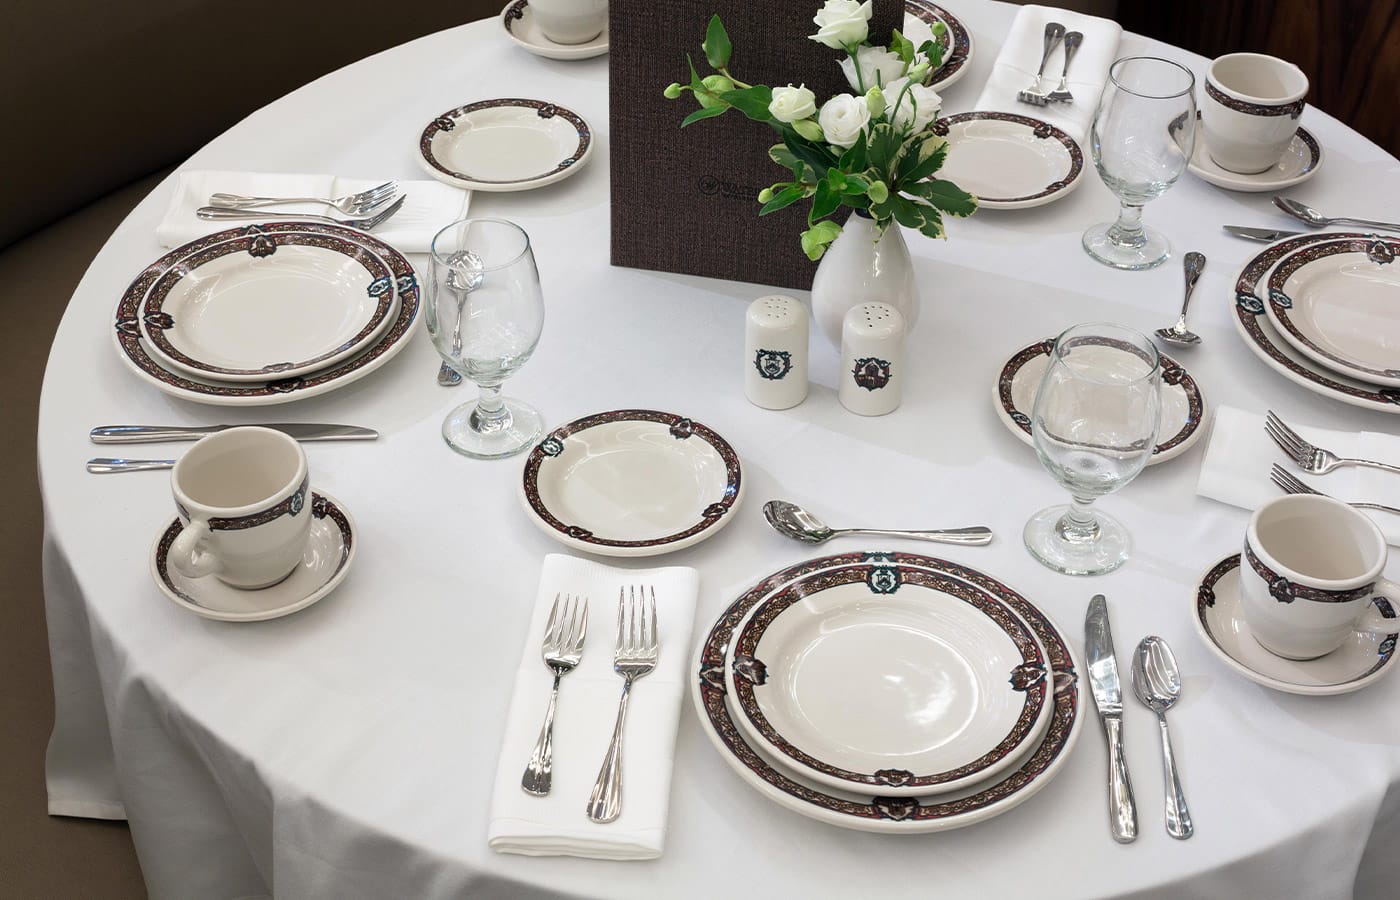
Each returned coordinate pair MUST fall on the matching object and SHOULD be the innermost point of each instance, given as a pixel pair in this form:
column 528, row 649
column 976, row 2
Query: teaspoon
column 793, row 521
column 1157, row 684
column 1306, row 214
column 1193, row 264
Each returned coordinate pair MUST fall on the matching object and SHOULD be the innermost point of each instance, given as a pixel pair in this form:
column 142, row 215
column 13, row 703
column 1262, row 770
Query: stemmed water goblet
column 1094, row 425
column 1141, row 139
column 485, row 313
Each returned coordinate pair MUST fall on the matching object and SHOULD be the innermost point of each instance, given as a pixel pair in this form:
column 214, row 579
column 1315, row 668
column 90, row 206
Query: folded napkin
column 1015, row 68
column 557, row 824
column 430, row 206
column 1240, row 454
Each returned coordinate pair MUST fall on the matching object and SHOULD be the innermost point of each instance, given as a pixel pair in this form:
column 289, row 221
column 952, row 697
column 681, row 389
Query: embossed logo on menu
column 710, row 186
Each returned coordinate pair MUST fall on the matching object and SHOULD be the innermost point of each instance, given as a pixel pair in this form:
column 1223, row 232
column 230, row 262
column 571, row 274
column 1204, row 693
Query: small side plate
column 509, row 144
column 1010, row 161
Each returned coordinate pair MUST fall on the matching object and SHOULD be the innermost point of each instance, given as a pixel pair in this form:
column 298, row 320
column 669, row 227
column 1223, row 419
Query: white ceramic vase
column 859, row 268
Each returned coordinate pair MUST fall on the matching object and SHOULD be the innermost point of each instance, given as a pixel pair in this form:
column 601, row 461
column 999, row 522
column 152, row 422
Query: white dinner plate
column 510, row 144
column 1299, row 162
column 1338, row 303
column 1009, row 161
column 887, row 814
column 285, row 305
column 1361, row 661
column 519, row 22
column 919, row 18
column 134, row 348
column 632, row 482
column 1252, row 322
column 1179, row 425
column 889, row 680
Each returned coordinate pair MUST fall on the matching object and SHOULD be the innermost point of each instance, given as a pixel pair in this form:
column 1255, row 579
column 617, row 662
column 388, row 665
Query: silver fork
column 562, row 650
column 634, row 658
column 363, row 224
column 1061, row 94
column 1292, row 485
column 1034, row 94
column 351, row 204
column 1314, row 460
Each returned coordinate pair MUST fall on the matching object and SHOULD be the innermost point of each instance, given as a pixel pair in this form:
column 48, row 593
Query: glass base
column 517, row 431
column 1109, row 550
column 1151, row 251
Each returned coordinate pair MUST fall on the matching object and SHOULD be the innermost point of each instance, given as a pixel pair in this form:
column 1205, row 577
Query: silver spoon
column 1193, row 264
column 1157, row 684
column 463, row 276
column 1306, row 214
column 793, row 521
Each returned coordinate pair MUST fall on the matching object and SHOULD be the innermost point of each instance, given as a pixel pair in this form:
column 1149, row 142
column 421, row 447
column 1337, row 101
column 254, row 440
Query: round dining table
column 349, row 750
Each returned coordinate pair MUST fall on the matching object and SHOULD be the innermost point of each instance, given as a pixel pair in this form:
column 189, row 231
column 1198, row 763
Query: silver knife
column 1108, row 697
column 1265, row 235
column 302, row 431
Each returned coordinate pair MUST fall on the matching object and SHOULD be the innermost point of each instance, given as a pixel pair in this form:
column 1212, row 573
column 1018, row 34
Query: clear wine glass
column 1141, row 138
column 1094, row 425
column 485, row 313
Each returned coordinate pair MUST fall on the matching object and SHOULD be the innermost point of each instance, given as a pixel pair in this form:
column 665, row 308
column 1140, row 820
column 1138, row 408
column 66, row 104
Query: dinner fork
column 1292, row 485
column 1311, row 459
column 363, row 224
column 1061, row 94
column 634, row 658
column 562, row 650
column 351, row 204
column 1034, row 94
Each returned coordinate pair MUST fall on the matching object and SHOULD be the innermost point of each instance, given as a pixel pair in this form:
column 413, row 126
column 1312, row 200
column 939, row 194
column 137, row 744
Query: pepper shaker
column 775, row 352
column 872, row 359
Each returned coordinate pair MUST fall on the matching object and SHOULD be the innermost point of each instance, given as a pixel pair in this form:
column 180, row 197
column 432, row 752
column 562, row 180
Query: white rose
column 842, row 118
column 878, row 66
column 792, row 103
column 841, row 23
column 916, row 109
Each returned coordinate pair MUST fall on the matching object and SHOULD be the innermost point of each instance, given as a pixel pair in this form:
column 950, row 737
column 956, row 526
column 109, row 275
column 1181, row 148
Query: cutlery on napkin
column 1240, row 453
column 557, row 824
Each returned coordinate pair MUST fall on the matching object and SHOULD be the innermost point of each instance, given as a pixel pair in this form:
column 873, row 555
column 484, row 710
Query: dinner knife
column 1108, row 697
column 1264, row 235
column 302, row 431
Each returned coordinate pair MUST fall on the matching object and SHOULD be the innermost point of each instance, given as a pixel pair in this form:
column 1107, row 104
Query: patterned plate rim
column 1028, row 677
column 447, row 121
column 895, row 814
column 959, row 40
column 1173, row 375
column 1249, row 310
column 681, row 428
column 1039, row 128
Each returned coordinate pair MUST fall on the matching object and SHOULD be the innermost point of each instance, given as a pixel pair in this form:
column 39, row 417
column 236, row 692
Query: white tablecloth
column 348, row 751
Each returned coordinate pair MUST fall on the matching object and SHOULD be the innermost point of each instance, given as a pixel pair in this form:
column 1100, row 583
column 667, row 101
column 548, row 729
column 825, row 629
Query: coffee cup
column 1310, row 576
column 570, row 21
column 243, row 495
column 1251, row 109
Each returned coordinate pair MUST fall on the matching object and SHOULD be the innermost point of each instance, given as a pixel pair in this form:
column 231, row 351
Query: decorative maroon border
column 1040, row 129
column 957, row 45
column 290, row 505
column 1062, row 720
column 1031, row 658
column 448, row 121
column 515, row 12
column 681, row 428
column 1285, row 591
column 1292, row 110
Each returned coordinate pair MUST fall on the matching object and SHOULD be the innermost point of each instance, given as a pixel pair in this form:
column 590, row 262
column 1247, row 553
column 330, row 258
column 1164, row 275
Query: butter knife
column 302, row 431
column 1264, row 235
column 1108, row 697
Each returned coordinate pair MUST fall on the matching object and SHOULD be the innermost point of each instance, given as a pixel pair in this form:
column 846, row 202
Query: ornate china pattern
column 1285, row 591
column 956, row 41
column 446, row 123
column 1292, row 110
column 291, row 506
column 1056, row 182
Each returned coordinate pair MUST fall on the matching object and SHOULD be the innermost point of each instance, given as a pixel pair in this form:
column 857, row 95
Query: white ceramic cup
column 245, row 499
column 1251, row 109
column 570, row 21
column 1310, row 572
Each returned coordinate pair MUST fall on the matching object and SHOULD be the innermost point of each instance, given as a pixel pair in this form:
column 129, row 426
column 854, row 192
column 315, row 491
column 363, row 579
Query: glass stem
column 490, row 414
column 1078, row 525
column 1127, row 231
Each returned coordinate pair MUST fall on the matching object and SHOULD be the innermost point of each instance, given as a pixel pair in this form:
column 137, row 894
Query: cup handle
column 190, row 555
column 1373, row 621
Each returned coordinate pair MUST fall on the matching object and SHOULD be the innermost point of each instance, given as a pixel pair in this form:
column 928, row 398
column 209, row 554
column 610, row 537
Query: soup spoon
column 1194, row 264
column 797, row 523
column 1158, row 685
column 1304, row 213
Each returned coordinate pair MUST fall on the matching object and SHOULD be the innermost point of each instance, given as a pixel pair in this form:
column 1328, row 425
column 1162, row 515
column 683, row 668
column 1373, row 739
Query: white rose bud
column 916, row 109
column 808, row 129
column 841, row 23
column 843, row 117
column 793, row 103
column 878, row 66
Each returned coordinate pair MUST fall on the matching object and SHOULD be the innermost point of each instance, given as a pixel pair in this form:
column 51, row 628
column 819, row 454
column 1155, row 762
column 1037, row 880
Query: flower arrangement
column 875, row 152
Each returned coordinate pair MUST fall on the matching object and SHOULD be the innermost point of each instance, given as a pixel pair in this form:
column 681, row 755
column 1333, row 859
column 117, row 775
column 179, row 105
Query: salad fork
column 562, row 650
column 351, row 204
column 363, row 224
column 1291, row 485
column 1035, row 94
column 1061, row 94
column 635, row 658
column 1311, row 459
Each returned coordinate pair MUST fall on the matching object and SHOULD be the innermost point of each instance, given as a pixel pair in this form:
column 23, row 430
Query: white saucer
column 520, row 27
column 1300, row 162
column 329, row 553
column 1362, row 660
column 508, row 144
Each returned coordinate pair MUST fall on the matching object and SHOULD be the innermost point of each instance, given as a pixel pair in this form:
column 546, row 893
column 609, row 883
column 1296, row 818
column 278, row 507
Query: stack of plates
column 265, row 314
column 888, row 692
column 1324, row 310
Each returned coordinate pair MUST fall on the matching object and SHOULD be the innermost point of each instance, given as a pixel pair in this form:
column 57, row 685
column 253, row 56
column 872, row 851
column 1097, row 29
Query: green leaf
column 907, row 212
column 948, row 197
column 751, row 101
column 884, row 146
column 824, row 202
column 696, row 82
column 817, row 156
column 855, row 184
column 933, row 224
column 934, row 51
column 855, row 159
column 717, row 47
column 902, row 47
column 816, row 238
column 933, row 150
column 784, row 157
column 704, row 113
column 878, row 191
column 786, row 197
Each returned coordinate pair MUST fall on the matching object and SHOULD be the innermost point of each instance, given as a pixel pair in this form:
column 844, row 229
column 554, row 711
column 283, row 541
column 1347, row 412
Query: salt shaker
column 775, row 352
column 872, row 359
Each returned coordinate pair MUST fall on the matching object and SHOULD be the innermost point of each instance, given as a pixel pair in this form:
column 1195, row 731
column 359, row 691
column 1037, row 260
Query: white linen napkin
column 429, row 207
column 557, row 824
column 1240, row 454
column 1015, row 68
